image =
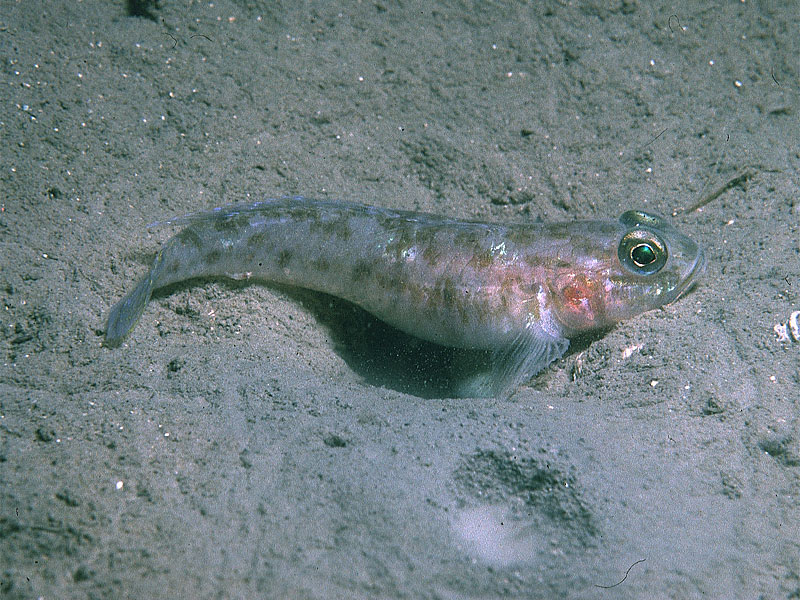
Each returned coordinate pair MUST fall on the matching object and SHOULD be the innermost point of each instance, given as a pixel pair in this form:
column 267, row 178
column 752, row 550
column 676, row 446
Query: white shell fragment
column 789, row 331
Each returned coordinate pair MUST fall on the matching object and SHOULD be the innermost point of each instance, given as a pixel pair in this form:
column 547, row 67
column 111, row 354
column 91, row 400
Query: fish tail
column 126, row 313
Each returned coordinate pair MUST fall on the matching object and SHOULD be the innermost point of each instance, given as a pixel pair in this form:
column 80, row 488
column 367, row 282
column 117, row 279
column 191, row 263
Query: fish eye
column 643, row 255
column 642, row 252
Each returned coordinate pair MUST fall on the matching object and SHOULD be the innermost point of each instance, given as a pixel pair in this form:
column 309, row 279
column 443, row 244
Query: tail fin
column 126, row 313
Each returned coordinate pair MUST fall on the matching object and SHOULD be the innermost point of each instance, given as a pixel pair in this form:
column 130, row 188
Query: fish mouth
column 690, row 279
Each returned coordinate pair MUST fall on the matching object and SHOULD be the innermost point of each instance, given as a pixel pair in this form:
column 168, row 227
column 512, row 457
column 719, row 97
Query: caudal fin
column 126, row 313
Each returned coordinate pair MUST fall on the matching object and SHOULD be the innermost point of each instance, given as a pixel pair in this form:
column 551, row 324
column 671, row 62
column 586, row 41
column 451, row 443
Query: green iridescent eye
column 643, row 255
column 642, row 252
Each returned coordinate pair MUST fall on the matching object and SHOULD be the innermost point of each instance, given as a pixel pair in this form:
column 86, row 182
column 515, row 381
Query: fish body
column 520, row 291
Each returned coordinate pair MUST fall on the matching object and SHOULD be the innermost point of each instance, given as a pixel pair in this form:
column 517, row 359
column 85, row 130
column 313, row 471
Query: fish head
column 640, row 263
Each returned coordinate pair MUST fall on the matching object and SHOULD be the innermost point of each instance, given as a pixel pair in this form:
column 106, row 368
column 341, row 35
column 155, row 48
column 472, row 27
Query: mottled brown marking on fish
column 321, row 264
column 401, row 243
column 190, row 238
column 336, row 227
column 173, row 266
column 481, row 259
column 213, row 256
column 304, row 214
column 361, row 271
column 425, row 236
column 232, row 224
column 258, row 240
column 284, row 257
column 432, row 253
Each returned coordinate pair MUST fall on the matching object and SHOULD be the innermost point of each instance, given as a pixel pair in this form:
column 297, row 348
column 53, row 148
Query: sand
column 249, row 441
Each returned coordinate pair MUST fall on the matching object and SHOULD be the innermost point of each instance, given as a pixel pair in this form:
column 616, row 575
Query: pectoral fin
column 513, row 364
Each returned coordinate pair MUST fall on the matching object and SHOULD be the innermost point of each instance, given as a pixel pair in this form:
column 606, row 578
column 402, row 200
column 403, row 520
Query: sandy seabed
column 249, row 441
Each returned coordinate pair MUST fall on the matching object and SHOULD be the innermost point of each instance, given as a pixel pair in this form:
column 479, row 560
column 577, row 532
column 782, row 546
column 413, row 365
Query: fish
column 518, row 291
